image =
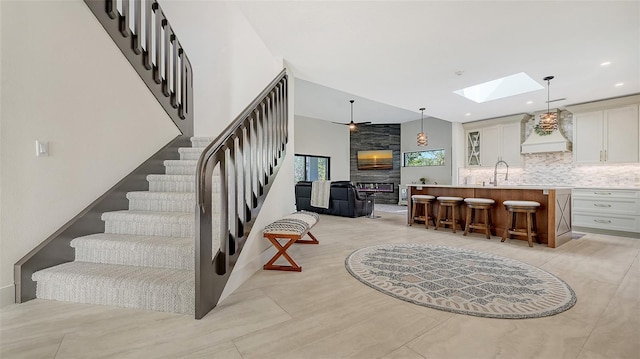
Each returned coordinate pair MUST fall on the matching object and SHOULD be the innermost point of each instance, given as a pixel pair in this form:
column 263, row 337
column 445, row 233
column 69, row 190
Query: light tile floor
column 323, row 312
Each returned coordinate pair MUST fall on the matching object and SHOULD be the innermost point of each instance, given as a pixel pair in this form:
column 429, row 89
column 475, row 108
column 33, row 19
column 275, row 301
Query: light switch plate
column 42, row 148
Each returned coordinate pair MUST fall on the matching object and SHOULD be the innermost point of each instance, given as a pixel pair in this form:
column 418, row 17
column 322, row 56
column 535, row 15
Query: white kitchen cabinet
column 487, row 145
column 490, row 149
column 607, row 136
column 606, row 209
column 510, row 151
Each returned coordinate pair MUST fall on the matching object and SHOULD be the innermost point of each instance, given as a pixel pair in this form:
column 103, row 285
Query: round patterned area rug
column 461, row 280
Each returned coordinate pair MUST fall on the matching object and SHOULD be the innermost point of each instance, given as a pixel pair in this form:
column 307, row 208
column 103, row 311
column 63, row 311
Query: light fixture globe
column 422, row 137
column 548, row 121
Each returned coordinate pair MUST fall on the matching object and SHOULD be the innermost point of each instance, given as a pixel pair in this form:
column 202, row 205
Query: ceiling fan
column 352, row 125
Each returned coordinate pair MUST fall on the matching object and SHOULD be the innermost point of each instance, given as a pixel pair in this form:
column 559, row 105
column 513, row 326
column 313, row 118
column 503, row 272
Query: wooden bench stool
column 445, row 204
column 475, row 205
column 291, row 228
column 528, row 208
column 425, row 201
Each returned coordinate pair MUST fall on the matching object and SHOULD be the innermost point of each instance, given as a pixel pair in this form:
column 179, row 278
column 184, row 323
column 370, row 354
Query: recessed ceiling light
column 500, row 88
column 619, row 84
column 467, row 114
column 529, row 102
column 606, row 63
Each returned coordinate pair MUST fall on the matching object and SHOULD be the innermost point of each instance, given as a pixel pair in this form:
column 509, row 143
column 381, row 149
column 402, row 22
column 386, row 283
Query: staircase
column 164, row 253
column 145, row 257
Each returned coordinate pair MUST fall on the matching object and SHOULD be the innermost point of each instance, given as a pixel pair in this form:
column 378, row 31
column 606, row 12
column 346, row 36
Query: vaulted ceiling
column 394, row 57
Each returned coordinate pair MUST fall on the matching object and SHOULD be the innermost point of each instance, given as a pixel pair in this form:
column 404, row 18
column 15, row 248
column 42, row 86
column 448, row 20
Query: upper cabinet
column 473, row 148
column 489, row 144
column 510, row 150
column 607, row 136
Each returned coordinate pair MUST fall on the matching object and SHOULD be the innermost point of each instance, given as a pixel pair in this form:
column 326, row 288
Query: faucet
column 495, row 173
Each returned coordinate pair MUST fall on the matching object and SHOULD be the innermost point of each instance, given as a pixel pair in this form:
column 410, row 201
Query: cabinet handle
column 601, row 205
column 606, row 158
column 600, row 155
column 602, row 220
column 603, row 193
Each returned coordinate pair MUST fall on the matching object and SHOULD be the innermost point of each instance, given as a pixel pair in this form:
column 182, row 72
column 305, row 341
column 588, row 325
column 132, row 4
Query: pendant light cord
column 351, row 110
column 548, row 79
column 548, row 91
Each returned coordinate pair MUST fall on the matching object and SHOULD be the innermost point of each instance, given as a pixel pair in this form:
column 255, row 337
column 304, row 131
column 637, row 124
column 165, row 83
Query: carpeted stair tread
column 201, row 142
column 149, row 216
column 162, row 201
column 180, row 162
column 170, row 224
column 160, row 289
column 126, row 249
column 190, row 153
column 171, row 178
column 180, row 167
column 177, row 183
column 171, row 183
column 169, row 196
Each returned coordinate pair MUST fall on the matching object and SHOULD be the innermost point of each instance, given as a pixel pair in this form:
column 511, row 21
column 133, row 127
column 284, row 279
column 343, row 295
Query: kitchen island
column 553, row 215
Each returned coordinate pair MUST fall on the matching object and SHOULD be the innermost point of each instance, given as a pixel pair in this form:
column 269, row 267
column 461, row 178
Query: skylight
column 500, row 88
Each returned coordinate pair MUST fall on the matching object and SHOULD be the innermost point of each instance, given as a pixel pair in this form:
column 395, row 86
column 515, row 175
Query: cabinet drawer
column 605, row 193
column 611, row 222
column 613, row 205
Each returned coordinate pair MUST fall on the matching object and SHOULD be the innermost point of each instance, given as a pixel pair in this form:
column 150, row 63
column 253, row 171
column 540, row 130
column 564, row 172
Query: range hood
column 553, row 142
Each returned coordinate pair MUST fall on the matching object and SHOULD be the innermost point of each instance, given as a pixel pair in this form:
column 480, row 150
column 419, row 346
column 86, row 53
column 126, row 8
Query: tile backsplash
column 556, row 169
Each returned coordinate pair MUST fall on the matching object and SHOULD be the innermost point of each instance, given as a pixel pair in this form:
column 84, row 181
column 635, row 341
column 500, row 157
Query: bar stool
column 447, row 203
column 529, row 209
column 476, row 205
column 425, row 201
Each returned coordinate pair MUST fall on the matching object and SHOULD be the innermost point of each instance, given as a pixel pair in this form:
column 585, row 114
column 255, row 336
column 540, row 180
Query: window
column 500, row 88
column 424, row 158
column 311, row 168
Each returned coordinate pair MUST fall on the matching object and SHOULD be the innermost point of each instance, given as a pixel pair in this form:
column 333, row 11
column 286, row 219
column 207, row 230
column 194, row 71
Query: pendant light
column 548, row 121
column 422, row 137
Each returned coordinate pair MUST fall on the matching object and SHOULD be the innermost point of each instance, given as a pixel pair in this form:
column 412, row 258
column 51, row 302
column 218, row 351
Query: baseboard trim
column 7, row 295
column 606, row 231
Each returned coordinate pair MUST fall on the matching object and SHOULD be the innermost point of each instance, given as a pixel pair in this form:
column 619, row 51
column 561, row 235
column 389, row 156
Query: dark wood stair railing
column 244, row 159
column 145, row 37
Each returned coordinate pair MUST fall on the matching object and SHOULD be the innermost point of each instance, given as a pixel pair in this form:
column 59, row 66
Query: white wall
column 231, row 64
column 64, row 81
column 6, row 291
column 323, row 138
column 439, row 136
column 458, row 144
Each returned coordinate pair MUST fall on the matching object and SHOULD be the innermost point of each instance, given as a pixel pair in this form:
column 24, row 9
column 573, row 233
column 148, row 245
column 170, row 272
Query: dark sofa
column 344, row 200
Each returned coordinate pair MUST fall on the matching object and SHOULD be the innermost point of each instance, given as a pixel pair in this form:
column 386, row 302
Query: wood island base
column 553, row 215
